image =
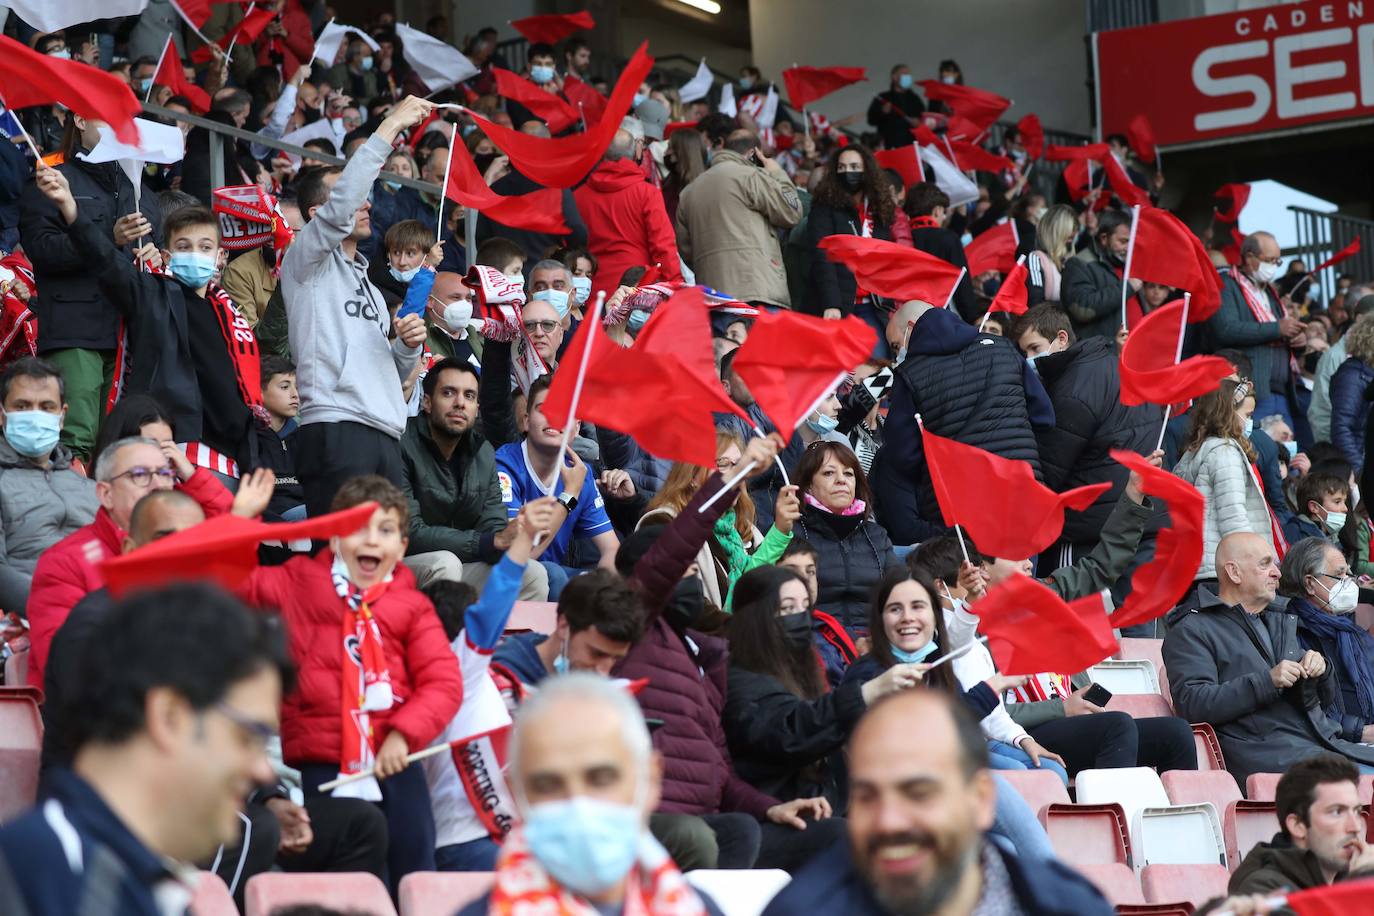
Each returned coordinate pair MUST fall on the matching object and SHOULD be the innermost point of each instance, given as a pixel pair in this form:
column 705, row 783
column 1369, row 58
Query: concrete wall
column 1031, row 51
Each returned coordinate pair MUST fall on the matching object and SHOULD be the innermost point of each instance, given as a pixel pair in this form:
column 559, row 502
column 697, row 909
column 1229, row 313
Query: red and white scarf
column 523, row 888
column 366, row 686
column 1256, row 297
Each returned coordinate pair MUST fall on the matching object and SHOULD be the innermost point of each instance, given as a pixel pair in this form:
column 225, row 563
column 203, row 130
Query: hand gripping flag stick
column 949, row 656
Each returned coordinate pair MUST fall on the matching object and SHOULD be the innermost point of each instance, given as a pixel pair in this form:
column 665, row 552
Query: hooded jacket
column 1219, row 673
column 1090, row 292
column 1232, row 499
column 627, row 225
column 38, row 508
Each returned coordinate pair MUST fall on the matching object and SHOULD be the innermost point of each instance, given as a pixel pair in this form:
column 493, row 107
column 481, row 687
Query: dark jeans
column 689, row 841
column 474, row 855
column 328, row 454
column 409, row 818
column 1113, row 739
column 778, row 846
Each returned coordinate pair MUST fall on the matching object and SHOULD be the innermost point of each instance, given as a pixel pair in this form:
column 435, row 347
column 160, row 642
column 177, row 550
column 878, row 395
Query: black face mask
column 685, row 605
column 797, row 629
column 483, row 161
column 851, row 181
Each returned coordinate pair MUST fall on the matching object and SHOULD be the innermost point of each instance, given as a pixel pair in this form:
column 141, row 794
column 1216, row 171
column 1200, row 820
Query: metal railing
column 1105, row 15
column 1321, row 235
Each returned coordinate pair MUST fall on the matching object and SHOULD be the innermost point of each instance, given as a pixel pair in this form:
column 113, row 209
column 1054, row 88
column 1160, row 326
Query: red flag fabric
column 977, row 105
column 997, row 500
column 223, row 549
column 1031, row 630
column 970, row 157
column 1069, row 153
column 1163, row 250
column 1077, row 178
column 893, row 270
column 561, row 162
column 1032, row 136
column 1013, row 295
column 925, row 136
column 662, row 391
column 1141, row 136
column 30, row 78
column 790, row 361
column 806, row 84
column 905, row 161
column 553, row 28
column 1149, row 374
column 198, row 11
column 994, row 249
column 1348, row 251
column 1161, row 583
column 1230, row 200
column 1345, row 898
column 537, row 211
column 546, row 106
column 958, row 127
column 1131, row 194
column 171, row 74
column 593, row 103
column 245, row 33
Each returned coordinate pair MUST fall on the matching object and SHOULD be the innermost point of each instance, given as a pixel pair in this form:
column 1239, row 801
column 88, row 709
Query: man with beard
column 920, row 798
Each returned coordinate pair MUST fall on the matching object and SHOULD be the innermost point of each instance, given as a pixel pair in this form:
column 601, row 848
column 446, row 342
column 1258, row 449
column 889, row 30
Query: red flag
column 1161, row 583
column 970, row 157
column 1149, row 373
column 171, row 74
column 806, row 84
column 561, row 162
column 1031, row 630
column 1348, row 251
column 1164, row 251
column 1141, row 136
column 553, row 28
column 893, row 270
column 591, row 102
column 925, row 136
column 977, row 105
column 198, row 11
column 1077, row 178
column 1069, row 153
column 537, row 211
column 998, row 500
column 245, row 33
column 1230, row 200
column 30, row 78
column 905, row 161
column 994, row 249
column 1345, row 898
column 1012, row 296
column 1032, row 136
column 961, row 128
column 1131, row 194
column 662, row 391
column 223, row 549
column 546, row 106
column 790, row 361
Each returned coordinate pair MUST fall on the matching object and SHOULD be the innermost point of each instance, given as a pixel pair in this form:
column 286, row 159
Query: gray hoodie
column 346, row 369
column 38, row 508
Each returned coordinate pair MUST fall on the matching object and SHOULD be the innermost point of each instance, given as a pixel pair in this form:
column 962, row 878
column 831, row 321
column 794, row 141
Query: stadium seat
column 1178, row 835
column 1191, row 787
column 1195, row 884
column 348, row 891
column 1130, row 675
column 212, row 897
column 1133, row 788
column 21, row 746
column 533, row 616
column 1245, row 824
column 1151, row 650
column 17, row 669
column 436, row 893
column 739, row 892
column 1038, row 787
column 1088, row 834
column 1209, row 755
column 1141, row 705
column 1262, row 786
column 1117, row 882
column 1367, row 789
column 1156, row 909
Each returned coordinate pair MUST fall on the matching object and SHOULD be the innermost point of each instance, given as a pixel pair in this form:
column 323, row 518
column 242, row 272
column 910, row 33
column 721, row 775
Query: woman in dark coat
column 1349, row 410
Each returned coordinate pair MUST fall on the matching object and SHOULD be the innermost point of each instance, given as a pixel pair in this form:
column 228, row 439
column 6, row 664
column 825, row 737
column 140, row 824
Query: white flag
column 316, row 130
column 769, row 113
column 438, row 65
column 160, row 143
column 727, row 100
column 51, row 15
column 960, row 188
column 699, row 86
column 332, row 38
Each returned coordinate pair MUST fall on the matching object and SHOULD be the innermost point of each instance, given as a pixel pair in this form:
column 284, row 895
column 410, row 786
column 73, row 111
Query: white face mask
column 582, row 289
column 457, row 315
column 1343, row 596
column 1335, row 521
column 1266, row 272
column 1248, row 426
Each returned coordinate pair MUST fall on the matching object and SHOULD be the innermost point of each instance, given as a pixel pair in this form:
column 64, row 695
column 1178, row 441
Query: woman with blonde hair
column 1348, row 406
column 1217, row 459
column 1054, row 235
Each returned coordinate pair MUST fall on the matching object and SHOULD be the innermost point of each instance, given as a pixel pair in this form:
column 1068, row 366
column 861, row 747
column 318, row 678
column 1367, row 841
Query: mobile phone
column 1098, row 695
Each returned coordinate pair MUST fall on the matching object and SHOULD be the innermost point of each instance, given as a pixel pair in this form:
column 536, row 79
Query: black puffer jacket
column 1084, row 384
column 1090, row 292
column 832, row 285
column 852, row 553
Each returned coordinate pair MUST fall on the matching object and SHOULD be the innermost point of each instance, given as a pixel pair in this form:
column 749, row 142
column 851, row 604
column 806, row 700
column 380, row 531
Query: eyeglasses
column 260, row 733
column 543, row 327
column 142, row 477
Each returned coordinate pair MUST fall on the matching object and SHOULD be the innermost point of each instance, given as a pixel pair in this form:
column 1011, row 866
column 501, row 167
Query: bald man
column 1235, row 661
column 450, row 308
column 921, row 797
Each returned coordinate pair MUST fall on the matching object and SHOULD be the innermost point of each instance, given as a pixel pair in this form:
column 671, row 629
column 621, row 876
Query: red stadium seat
column 1209, row 755
column 1262, row 786
column 1190, row 787
column 1367, row 789
column 1141, row 705
column 1195, row 884
column 1088, row 834
column 349, row 891
column 1038, row 787
column 212, row 897
column 1151, row 649
column 433, row 893
column 17, row 669
column 1156, row 909
column 1117, row 882
column 21, row 746
column 1245, row 824
column 533, row 616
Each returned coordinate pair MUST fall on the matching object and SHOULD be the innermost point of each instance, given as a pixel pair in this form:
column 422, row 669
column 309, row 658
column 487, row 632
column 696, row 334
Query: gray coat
column 1219, row 673
column 38, row 508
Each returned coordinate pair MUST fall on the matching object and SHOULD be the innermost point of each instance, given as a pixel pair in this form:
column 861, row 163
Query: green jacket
column 1277, row 866
column 448, row 513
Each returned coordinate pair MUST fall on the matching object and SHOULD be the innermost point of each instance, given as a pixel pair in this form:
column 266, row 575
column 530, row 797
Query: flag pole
column 1178, row 356
column 1126, row 272
column 957, row 653
column 372, row 771
column 738, row 476
column 958, row 529
column 160, row 58
column 194, row 28
column 38, row 157
column 778, row 458
column 950, row 299
column 443, row 195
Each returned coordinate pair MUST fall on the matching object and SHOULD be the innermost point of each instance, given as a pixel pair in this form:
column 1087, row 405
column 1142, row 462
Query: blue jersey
column 520, row 485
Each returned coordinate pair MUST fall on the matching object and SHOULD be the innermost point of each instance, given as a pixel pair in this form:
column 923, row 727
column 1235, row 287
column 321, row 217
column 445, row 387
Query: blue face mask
column 405, row 276
column 746, row 82
column 555, row 297
column 1248, row 426
column 32, row 433
column 822, row 425
column 560, row 662
column 391, row 184
column 911, row 658
column 638, row 318
column 1291, row 446
column 582, row 289
column 145, row 84
column 541, row 74
column 192, row 268
column 904, row 81
column 366, row 64
column 640, row 98
column 587, row 845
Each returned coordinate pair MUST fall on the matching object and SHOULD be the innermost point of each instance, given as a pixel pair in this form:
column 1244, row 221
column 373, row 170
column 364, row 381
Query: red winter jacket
column 627, row 225
column 425, row 679
column 296, row 48
column 70, row 569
